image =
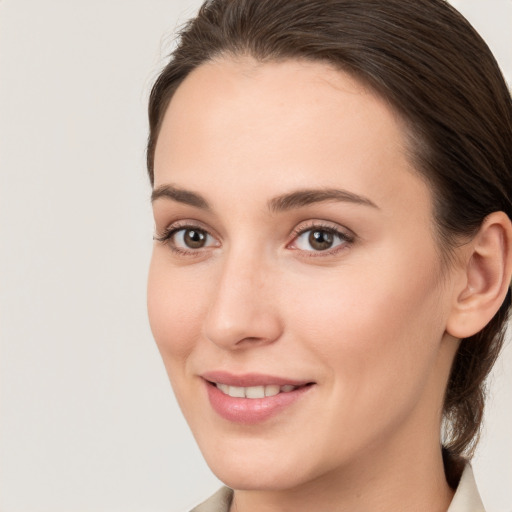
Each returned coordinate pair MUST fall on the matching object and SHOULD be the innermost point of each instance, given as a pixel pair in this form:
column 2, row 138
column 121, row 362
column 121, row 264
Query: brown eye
column 320, row 240
column 194, row 238
column 188, row 239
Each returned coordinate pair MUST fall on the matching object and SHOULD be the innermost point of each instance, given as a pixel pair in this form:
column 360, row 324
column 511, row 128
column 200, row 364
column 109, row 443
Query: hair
column 424, row 58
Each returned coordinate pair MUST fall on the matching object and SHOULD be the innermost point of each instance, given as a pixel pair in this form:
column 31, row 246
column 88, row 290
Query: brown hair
column 438, row 73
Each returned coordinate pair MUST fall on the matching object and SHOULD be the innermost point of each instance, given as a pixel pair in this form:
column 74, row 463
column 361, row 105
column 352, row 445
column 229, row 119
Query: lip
column 250, row 379
column 250, row 411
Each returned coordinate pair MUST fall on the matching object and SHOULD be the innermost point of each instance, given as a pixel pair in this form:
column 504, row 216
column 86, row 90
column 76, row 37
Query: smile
column 254, row 391
column 252, row 398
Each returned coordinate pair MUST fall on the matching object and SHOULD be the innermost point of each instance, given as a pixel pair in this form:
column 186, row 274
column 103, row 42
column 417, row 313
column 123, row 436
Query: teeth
column 236, row 392
column 254, row 391
column 224, row 388
column 272, row 390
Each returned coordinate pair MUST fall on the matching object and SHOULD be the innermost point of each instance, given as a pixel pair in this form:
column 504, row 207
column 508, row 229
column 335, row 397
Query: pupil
column 194, row 239
column 320, row 240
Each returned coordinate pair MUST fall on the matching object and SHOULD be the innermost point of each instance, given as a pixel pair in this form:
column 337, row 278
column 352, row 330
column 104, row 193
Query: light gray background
column 87, row 418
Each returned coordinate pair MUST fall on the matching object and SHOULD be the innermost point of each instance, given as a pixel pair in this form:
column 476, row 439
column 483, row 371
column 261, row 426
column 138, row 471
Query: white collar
column 466, row 498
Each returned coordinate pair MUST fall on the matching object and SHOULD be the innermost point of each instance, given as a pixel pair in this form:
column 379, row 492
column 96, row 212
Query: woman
column 330, row 279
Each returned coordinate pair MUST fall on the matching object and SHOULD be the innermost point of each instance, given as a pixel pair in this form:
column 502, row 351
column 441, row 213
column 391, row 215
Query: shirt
column 466, row 498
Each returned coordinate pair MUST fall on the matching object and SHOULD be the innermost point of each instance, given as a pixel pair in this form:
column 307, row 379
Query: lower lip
column 248, row 411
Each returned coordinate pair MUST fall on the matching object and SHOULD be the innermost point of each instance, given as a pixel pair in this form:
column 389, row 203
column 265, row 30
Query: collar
column 466, row 498
column 219, row 502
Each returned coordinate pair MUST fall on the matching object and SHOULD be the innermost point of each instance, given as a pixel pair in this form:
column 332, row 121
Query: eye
column 187, row 239
column 320, row 239
column 191, row 238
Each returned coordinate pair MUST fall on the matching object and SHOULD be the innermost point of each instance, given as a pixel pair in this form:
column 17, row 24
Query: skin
column 365, row 321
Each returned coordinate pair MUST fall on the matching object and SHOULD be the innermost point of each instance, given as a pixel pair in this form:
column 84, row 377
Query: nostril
column 252, row 339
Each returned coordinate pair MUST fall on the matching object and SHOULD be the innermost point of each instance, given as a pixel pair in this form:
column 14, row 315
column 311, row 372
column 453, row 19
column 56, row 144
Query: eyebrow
column 284, row 202
column 181, row 196
column 306, row 197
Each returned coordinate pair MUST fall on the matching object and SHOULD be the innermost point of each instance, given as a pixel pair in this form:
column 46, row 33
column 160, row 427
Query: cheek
column 175, row 309
column 376, row 332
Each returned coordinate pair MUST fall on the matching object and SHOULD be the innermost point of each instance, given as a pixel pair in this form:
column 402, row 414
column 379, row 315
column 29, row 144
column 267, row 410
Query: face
column 295, row 289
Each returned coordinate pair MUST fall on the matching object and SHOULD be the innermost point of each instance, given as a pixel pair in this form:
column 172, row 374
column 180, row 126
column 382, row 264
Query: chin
column 259, row 468
column 257, row 478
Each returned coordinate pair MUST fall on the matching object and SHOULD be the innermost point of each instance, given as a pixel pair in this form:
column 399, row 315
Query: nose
column 244, row 311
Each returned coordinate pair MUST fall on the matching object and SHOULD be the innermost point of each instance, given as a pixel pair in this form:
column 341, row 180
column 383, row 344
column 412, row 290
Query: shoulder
column 467, row 497
column 219, row 502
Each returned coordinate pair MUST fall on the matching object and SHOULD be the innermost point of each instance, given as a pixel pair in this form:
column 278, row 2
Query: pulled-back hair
column 438, row 74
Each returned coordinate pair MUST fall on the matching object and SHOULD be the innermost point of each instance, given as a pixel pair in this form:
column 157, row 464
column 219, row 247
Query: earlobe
column 487, row 273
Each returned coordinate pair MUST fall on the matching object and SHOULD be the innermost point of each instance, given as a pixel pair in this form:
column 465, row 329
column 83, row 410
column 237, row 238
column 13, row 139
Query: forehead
column 272, row 97
column 268, row 126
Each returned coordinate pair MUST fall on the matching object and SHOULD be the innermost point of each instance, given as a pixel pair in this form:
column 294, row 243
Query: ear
column 484, row 277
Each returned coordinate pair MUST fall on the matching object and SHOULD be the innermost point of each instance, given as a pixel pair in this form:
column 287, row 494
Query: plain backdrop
column 87, row 418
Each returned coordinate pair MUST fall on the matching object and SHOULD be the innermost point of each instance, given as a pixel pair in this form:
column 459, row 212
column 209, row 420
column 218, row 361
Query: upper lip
column 250, row 379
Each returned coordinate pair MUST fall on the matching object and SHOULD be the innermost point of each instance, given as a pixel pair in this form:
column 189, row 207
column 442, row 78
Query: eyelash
column 167, row 235
column 345, row 238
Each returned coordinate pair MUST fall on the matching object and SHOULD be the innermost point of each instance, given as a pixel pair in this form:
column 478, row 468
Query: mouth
column 255, row 392
column 253, row 398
